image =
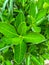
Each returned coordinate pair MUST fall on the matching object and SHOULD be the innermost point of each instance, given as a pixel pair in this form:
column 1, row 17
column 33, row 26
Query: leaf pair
column 9, row 31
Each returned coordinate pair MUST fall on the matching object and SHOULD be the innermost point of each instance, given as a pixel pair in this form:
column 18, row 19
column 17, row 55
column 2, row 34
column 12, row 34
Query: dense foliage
column 24, row 32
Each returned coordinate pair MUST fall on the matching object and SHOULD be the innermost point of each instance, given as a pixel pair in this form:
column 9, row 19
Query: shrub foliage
column 24, row 32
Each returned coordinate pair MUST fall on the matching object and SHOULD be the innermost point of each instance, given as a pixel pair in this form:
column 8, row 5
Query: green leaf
column 1, row 59
column 19, row 19
column 45, row 5
column 28, row 60
column 34, row 38
column 41, row 59
column 30, row 20
column 22, row 28
column 1, row 17
column 4, row 41
column 8, row 62
column 22, row 2
column 32, row 10
column 19, row 52
column 46, row 56
column 47, row 1
column 1, row 44
column 7, row 29
column 35, row 60
column 41, row 14
column 47, row 32
column 35, row 28
column 40, row 4
column 15, row 41
column 11, row 7
column 4, row 5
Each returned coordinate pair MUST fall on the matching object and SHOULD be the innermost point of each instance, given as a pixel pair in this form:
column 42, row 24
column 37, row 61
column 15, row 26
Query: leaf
column 22, row 2
column 35, row 28
column 19, row 19
column 4, row 41
column 47, row 32
column 45, row 5
column 11, row 7
column 1, row 17
column 47, row 1
column 46, row 56
column 4, row 5
column 14, row 41
column 34, row 38
column 1, row 58
column 30, row 20
column 40, row 4
column 22, row 28
column 1, row 2
column 1, row 44
column 8, row 62
column 28, row 60
column 40, row 15
column 7, row 29
column 19, row 52
column 41, row 59
column 32, row 49
column 32, row 10
column 35, row 60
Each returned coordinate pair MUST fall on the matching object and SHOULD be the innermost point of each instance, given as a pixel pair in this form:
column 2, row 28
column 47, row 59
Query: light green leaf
column 11, row 7
column 30, row 20
column 4, row 5
column 7, row 29
column 41, row 59
column 46, row 56
column 19, row 19
column 1, row 44
column 7, row 41
column 35, row 60
column 35, row 28
column 19, row 52
column 34, row 38
column 17, row 40
column 8, row 62
column 22, row 2
column 32, row 10
column 41, row 14
column 40, row 4
column 1, row 17
column 22, row 28
column 28, row 60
